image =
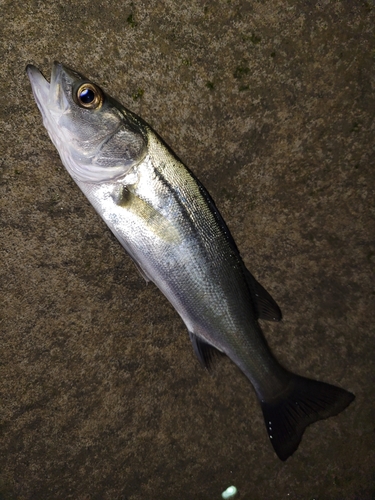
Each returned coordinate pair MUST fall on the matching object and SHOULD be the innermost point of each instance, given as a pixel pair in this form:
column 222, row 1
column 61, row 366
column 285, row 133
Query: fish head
column 97, row 138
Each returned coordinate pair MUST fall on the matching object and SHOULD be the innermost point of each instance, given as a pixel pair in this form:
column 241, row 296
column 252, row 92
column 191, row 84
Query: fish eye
column 89, row 96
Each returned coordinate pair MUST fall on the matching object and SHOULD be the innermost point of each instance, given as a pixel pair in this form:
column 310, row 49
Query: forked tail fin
column 306, row 402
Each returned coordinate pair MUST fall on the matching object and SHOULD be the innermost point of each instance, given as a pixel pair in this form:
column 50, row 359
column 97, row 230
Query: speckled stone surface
column 272, row 105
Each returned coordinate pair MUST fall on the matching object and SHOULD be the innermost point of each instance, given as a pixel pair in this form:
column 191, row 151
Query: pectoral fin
column 156, row 222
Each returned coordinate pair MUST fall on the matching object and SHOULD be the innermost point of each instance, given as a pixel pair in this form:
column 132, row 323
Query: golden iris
column 89, row 96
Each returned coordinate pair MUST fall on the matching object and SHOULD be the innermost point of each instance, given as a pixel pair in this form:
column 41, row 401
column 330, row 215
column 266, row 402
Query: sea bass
column 168, row 223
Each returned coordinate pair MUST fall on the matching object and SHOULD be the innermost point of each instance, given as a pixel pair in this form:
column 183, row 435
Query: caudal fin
column 306, row 402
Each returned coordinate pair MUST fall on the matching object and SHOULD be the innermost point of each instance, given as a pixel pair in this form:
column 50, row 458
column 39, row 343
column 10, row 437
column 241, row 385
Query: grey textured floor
column 272, row 105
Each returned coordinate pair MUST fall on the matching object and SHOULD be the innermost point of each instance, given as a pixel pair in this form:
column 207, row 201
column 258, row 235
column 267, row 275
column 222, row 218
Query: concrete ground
column 272, row 105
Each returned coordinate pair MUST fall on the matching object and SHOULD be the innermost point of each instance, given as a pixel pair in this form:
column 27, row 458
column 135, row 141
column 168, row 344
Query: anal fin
column 203, row 350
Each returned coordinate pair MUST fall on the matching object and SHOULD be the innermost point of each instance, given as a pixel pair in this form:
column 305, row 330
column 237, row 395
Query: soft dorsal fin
column 203, row 350
column 265, row 307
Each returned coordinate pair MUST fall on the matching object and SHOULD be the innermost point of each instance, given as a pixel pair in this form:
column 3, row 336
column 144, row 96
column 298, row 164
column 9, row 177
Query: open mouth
column 48, row 96
column 51, row 101
column 39, row 85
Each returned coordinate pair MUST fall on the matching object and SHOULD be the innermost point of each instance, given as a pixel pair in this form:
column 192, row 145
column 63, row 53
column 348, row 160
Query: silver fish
column 168, row 223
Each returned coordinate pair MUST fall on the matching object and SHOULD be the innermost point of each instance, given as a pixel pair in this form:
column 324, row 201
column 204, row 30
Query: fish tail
column 305, row 402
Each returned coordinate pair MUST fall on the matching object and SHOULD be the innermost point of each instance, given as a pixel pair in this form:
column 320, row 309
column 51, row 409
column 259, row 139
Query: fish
column 170, row 226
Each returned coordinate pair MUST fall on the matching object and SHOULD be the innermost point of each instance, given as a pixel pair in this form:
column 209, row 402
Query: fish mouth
column 40, row 86
column 49, row 97
column 52, row 100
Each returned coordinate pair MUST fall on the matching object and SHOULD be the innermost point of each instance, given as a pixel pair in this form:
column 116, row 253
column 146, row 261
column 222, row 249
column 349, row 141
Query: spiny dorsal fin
column 265, row 307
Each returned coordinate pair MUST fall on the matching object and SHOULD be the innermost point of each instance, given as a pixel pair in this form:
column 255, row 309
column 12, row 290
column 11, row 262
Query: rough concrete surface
column 271, row 104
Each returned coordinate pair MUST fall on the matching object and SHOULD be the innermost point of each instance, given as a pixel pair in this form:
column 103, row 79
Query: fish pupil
column 87, row 96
